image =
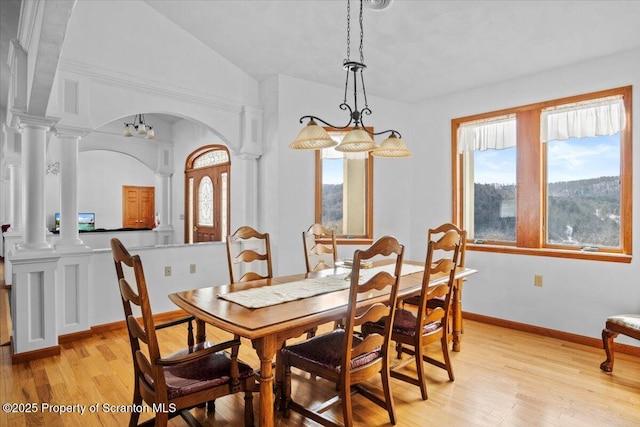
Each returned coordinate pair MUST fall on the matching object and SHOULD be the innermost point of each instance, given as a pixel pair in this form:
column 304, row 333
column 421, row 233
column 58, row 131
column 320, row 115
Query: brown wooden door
column 206, row 194
column 138, row 205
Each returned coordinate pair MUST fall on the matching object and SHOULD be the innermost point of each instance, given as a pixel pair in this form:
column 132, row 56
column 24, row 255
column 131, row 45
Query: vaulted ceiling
column 414, row 50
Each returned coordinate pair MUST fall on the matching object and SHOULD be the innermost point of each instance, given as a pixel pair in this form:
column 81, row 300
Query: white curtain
column 603, row 116
column 496, row 133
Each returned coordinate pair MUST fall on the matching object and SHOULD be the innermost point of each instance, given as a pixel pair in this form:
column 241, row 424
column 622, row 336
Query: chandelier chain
column 349, row 30
column 361, row 34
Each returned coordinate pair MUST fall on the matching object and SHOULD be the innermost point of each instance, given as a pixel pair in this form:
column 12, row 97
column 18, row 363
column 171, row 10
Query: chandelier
column 139, row 127
column 359, row 138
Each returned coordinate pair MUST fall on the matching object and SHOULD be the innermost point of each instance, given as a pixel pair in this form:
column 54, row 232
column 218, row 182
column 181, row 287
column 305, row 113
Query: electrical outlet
column 167, row 271
column 192, row 268
column 537, row 280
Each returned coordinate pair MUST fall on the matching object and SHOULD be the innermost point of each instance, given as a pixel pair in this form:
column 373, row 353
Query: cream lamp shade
column 312, row 137
column 356, row 140
column 392, row 147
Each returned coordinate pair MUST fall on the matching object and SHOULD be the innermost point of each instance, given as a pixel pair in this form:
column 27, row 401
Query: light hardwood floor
column 503, row 378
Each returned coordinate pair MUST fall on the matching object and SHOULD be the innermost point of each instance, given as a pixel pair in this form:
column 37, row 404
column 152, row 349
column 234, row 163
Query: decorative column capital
column 46, row 123
column 65, row 131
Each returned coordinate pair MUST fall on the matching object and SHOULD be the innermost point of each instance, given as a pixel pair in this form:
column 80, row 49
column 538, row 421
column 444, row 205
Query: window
column 552, row 178
column 344, row 192
column 207, row 194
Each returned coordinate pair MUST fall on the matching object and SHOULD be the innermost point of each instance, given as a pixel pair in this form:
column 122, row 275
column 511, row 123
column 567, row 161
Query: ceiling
column 414, row 50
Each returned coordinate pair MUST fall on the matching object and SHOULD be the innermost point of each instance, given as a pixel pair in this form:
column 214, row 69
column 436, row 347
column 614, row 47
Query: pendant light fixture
column 358, row 139
column 139, row 127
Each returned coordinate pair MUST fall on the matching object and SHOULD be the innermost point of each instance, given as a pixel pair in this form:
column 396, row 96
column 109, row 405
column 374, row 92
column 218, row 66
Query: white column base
column 72, row 291
column 71, row 246
column 33, row 312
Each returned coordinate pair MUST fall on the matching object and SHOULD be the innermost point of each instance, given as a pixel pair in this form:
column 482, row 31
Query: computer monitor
column 86, row 221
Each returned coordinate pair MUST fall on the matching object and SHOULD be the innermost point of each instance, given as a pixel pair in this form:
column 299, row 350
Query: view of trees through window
column 332, row 207
column 582, row 193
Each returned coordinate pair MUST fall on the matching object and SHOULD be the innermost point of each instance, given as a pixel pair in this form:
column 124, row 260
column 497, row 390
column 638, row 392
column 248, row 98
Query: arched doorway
column 207, row 175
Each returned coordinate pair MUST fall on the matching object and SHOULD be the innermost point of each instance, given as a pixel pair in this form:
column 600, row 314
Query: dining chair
column 191, row 377
column 412, row 332
column 436, row 302
column 317, row 255
column 625, row 324
column 344, row 356
column 249, row 249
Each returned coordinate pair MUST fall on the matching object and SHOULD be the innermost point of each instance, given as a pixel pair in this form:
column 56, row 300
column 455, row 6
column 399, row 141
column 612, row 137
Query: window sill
column 556, row 253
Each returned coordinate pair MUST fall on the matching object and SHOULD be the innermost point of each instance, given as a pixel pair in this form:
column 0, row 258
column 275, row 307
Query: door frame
column 191, row 158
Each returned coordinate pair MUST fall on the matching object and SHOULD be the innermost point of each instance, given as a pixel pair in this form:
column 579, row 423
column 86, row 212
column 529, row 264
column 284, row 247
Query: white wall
column 105, row 305
column 578, row 295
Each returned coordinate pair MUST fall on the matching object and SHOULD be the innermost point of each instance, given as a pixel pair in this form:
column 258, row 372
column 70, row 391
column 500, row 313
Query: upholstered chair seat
column 200, row 374
column 326, row 351
column 432, row 303
column 404, row 324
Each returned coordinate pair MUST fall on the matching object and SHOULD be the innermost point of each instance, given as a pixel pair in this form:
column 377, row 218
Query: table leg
column 201, row 332
column 457, row 315
column 266, row 349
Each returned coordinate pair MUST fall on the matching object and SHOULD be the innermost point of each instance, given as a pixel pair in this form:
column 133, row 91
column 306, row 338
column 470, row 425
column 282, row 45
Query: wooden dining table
column 268, row 327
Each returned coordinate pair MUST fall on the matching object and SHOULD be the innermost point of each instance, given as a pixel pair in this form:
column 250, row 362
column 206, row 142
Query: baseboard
column 27, row 356
column 121, row 324
column 76, row 336
column 551, row 333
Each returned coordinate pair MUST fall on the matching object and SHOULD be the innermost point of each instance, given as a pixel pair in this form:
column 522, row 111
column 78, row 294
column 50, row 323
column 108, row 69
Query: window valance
column 494, row 133
column 603, row 116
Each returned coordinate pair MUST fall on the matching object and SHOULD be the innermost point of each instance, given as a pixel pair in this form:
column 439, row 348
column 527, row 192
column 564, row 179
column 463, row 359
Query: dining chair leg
column 286, row 394
column 447, row 359
column 137, row 403
column 347, row 409
column 248, row 409
column 386, row 387
column 607, row 343
column 162, row 419
column 399, row 350
column 422, row 378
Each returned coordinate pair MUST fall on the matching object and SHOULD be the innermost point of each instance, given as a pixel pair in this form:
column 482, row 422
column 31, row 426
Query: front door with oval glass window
column 207, row 195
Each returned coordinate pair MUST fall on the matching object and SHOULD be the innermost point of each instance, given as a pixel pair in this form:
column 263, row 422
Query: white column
column 15, row 197
column 165, row 202
column 34, row 138
column 164, row 231
column 250, row 201
column 69, row 235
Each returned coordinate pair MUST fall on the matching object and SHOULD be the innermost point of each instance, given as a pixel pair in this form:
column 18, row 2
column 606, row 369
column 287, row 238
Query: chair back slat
column 372, row 314
column 240, row 258
column 136, row 330
column 127, row 292
column 461, row 233
column 319, row 255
